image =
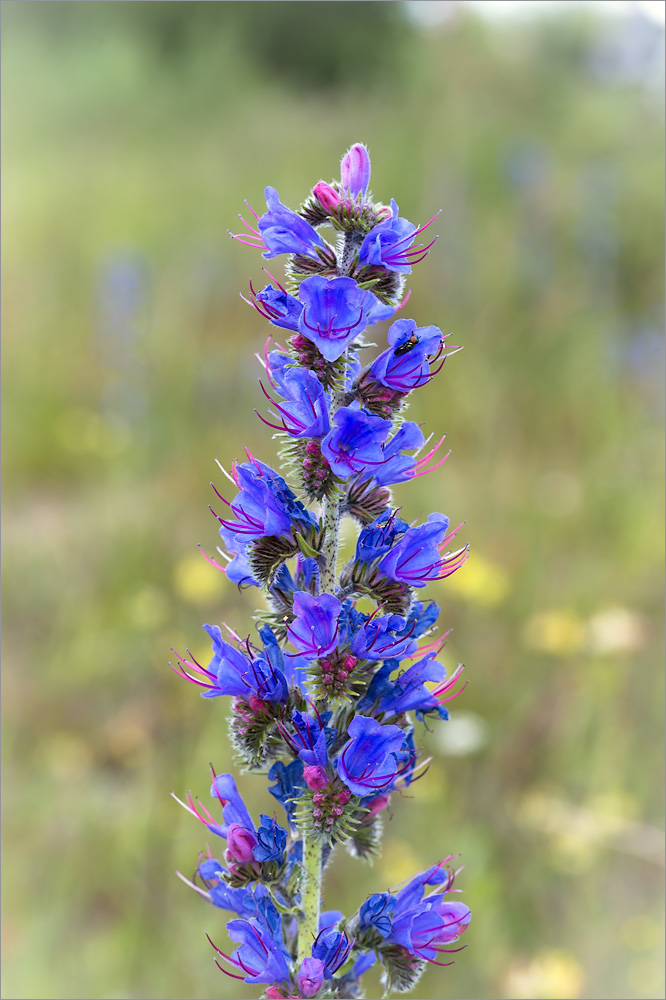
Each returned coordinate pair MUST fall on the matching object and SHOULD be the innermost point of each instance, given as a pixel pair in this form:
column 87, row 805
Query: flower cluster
column 322, row 696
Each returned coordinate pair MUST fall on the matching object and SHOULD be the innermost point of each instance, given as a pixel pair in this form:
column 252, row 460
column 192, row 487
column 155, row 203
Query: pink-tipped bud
column 275, row 993
column 315, row 777
column 240, row 844
column 256, row 704
column 355, row 170
column 327, row 196
column 310, row 977
column 343, row 796
column 377, row 805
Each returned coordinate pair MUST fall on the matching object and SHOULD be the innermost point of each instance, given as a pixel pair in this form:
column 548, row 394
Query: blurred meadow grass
column 132, row 133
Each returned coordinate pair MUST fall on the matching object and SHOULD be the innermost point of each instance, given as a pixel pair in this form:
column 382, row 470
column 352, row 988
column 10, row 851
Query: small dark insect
column 408, row 346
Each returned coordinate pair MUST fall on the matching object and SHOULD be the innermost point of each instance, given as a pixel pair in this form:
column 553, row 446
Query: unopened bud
column 240, row 844
column 315, row 777
column 327, row 196
column 310, row 977
column 355, row 170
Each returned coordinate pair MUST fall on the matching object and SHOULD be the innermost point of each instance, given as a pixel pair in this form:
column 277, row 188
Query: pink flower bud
column 274, row 993
column 315, row 777
column 355, row 170
column 256, row 704
column 376, row 805
column 343, row 796
column 240, row 844
column 327, row 196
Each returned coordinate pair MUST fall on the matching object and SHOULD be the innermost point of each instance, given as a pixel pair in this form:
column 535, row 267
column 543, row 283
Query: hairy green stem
column 312, row 845
column 310, row 895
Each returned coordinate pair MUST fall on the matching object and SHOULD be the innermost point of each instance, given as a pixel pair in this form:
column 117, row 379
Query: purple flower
column 397, row 467
column 406, row 365
column 284, row 231
column 271, row 841
column 415, row 558
column 304, row 413
column 310, row 977
column 355, row 443
column 277, row 306
column 380, row 536
column 264, row 507
column 333, row 315
column 382, row 638
column 368, row 761
column 390, row 244
column 355, row 170
column 314, row 630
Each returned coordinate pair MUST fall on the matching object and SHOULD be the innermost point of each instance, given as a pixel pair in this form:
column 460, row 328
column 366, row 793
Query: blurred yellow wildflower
column 480, row 582
column 560, row 632
column 195, row 580
column 551, row 974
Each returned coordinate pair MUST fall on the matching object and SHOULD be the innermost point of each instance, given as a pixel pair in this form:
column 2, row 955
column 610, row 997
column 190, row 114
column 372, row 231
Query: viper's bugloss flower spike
column 326, row 693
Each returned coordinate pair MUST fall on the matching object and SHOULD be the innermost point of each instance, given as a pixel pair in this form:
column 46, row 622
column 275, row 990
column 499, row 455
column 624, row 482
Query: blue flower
column 314, row 630
column 231, row 673
column 397, row 467
column 333, row 315
column 406, row 366
column 423, row 926
column 240, row 901
column 390, row 243
column 294, row 668
column 234, row 810
column 380, row 536
column 355, row 170
column 265, row 506
column 383, row 637
column 238, row 571
column 261, row 954
column 376, row 912
column 284, row 231
column 277, row 306
column 311, row 738
column 368, row 761
column 409, row 692
column 355, row 443
column 332, row 948
column 271, row 841
column 289, row 785
column 421, row 617
column 304, row 412
column 415, row 558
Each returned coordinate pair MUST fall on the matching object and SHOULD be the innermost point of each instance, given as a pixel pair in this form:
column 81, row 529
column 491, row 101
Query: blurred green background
column 132, row 133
